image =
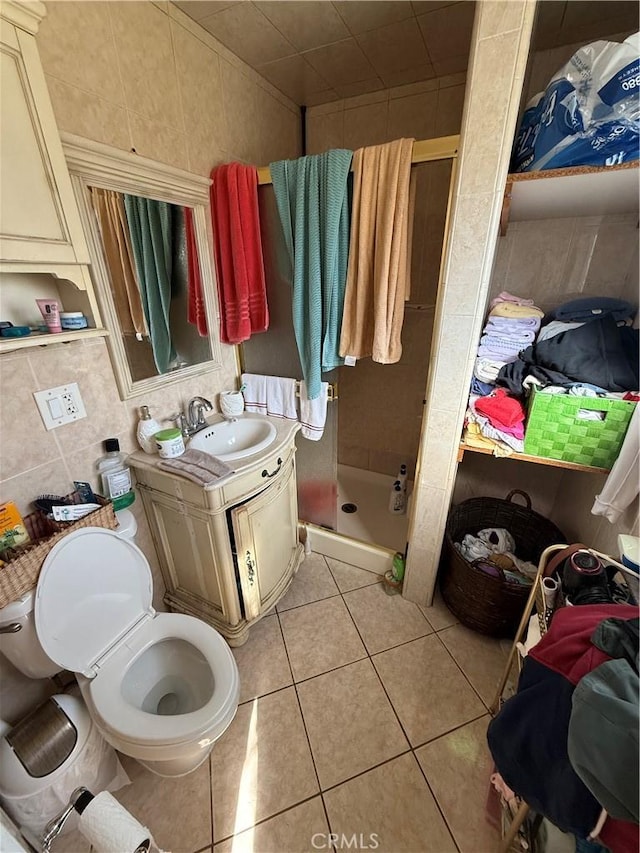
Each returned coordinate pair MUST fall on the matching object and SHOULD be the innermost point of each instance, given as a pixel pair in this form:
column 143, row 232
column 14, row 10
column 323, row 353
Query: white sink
column 230, row 440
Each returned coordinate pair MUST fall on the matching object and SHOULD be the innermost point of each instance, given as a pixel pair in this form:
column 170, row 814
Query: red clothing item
column 501, row 409
column 238, row 249
column 196, row 314
column 567, row 649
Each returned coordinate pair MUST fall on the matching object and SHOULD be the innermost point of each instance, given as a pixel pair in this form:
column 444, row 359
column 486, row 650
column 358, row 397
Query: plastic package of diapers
column 589, row 113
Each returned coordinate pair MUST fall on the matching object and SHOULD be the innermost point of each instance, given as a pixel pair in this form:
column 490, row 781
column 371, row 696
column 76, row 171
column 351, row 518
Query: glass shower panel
column 274, row 353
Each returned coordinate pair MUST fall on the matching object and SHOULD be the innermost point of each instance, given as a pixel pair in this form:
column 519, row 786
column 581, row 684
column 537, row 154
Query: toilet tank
column 22, row 647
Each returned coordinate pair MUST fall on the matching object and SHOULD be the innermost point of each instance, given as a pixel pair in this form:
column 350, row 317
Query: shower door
column 274, row 353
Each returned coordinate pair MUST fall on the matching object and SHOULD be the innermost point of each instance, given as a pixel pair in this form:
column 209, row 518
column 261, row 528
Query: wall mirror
column 148, row 234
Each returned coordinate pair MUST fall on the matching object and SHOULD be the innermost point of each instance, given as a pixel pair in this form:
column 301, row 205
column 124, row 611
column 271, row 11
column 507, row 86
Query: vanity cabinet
column 228, row 552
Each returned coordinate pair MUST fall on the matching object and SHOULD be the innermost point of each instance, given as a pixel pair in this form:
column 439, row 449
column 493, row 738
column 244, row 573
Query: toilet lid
column 93, row 588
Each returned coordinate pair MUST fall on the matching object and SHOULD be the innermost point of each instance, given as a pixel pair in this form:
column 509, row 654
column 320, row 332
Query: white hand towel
column 274, row 396
column 281, row 398
column 313, row 413
column 254, row 393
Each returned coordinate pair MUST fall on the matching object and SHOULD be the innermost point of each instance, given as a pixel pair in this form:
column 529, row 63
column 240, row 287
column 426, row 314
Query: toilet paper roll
column 550, row 588
column 110, row 828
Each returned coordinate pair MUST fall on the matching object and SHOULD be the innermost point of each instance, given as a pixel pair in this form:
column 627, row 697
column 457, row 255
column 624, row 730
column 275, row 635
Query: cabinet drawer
column 270, row 471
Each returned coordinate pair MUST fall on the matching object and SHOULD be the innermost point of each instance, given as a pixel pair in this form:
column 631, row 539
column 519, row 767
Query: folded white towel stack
column 274, row 396
column 313, row 413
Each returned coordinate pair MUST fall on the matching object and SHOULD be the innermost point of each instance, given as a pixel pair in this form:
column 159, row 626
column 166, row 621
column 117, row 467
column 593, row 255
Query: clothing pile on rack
column 584, row 348
column 567, row 742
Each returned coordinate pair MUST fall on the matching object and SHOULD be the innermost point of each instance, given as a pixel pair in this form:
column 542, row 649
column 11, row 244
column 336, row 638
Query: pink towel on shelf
column 196, row 313
column 239, row 263
column 505, row 296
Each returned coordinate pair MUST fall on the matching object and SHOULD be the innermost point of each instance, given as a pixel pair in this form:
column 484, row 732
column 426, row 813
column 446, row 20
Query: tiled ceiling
column 316, row 51
column 562, row 22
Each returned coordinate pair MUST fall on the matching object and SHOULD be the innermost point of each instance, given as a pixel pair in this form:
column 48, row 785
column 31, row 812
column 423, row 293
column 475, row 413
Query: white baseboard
column 371, row 558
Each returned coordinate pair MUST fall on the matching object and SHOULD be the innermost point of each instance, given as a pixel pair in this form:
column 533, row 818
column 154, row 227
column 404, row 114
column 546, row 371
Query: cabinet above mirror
column 147, row 227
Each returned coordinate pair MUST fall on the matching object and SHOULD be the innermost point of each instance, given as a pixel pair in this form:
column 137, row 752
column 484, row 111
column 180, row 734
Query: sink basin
column 230, row 440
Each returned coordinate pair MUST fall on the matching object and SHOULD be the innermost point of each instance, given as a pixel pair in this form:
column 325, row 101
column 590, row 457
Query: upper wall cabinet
column 39, row 221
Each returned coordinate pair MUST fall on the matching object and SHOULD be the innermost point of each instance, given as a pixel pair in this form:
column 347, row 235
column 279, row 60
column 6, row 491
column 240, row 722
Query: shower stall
column 374, row 423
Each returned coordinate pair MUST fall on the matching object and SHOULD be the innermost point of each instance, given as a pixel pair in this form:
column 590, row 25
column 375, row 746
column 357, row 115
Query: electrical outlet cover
column 65, row 399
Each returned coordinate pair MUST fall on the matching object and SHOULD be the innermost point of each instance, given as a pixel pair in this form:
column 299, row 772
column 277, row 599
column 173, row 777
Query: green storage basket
column 555, row 430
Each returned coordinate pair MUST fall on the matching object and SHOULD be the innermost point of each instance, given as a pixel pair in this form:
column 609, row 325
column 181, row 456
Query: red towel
column 196, row 313
column 501, row 409
column 239, row 264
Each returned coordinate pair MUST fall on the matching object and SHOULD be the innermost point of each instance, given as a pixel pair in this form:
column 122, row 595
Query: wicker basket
column 485, row 603
column 21, row 574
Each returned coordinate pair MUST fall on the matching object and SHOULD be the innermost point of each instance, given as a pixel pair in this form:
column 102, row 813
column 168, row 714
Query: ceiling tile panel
column 361, row 16
column 295, row 77
column 245, row 31
column 447, row 31
column 341, row 63
column 323, row 97
column 199, row 9
column 451, row 65
column 421, row 7
column 394, row 47
column 350, row 90
column 409, row 75
column 305, row 24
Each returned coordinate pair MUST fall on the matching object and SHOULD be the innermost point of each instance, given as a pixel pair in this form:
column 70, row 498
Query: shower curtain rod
column 424, row 151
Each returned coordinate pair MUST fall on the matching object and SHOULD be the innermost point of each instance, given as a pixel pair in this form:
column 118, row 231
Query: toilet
column 160, row 687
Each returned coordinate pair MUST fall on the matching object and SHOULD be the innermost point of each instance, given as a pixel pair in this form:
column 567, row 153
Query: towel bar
column 332, row 391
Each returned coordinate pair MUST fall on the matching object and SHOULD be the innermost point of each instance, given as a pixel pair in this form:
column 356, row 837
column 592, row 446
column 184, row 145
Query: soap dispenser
column 147, row 428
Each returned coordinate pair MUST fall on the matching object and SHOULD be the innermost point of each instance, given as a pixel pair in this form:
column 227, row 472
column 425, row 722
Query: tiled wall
column 380, row 411
column 555, row 259
column 144, row 76
column 496, row 71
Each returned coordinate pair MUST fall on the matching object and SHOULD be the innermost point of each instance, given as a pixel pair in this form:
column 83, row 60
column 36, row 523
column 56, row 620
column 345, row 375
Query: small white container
column 169, row 443
column 231, row 403
column 147, row 428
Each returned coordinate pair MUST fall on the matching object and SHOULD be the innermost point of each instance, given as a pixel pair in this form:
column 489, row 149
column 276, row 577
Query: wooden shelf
column 575, row 191
column 42, row 340
column 525, row 457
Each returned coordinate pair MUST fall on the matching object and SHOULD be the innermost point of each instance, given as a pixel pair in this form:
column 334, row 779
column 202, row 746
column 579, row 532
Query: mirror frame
column 95, row 164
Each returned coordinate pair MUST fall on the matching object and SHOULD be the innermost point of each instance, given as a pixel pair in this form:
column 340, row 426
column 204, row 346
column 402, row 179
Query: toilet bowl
column 160, row 687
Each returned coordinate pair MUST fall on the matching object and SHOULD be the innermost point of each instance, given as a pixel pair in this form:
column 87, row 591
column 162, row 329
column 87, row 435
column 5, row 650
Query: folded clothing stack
column 512, row 326
column 498, row 419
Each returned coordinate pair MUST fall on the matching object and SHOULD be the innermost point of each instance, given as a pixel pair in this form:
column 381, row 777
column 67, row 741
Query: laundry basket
column 487, row 604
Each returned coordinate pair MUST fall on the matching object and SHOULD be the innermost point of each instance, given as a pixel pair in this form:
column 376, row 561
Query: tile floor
column 361, row 713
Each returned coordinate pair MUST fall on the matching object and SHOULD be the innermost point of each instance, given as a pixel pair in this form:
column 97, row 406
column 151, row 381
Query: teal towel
column 313, row 205
column 150, row 227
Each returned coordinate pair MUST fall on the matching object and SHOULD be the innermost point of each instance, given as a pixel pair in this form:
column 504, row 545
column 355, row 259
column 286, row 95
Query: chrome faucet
column 194, row 420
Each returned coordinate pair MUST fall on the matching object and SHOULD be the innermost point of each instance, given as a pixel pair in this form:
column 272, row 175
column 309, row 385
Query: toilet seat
column 132, row 724
column 94, row 587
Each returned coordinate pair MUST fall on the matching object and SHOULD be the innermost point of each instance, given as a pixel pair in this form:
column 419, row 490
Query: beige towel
column 198, row 466
column 116, row 242
column 378, row 276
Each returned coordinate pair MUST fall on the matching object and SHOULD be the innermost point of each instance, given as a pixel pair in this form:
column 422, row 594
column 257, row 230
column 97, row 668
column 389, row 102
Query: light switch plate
column 65, row 401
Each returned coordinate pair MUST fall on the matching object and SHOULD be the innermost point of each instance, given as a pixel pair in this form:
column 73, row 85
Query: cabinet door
column 195, row 557
column 266, row 537
column 39, row 219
